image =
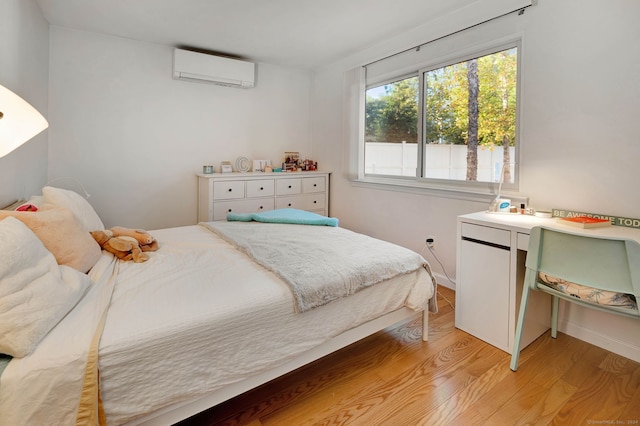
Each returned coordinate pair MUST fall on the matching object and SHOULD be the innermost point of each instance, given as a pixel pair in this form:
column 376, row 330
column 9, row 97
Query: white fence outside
column 442, row 161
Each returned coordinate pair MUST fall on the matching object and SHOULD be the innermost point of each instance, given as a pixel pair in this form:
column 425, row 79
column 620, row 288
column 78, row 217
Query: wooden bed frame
column 183, row 410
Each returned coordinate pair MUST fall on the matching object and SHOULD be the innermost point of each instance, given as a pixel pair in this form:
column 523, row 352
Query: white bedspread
column 335, row 262
column 197, row 316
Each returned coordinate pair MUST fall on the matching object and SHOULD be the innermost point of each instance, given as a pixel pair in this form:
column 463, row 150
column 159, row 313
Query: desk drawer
column 523, row 241
column 486, row 234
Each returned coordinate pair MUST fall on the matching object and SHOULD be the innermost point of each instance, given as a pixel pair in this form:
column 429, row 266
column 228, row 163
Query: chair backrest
column 603, row 263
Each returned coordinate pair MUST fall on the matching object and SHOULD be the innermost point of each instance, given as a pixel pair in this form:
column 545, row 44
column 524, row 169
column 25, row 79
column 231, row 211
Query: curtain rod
column 417, row 48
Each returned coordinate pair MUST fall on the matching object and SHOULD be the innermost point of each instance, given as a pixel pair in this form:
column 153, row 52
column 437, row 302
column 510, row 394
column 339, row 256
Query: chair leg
column 515, row 354
column 554, row 316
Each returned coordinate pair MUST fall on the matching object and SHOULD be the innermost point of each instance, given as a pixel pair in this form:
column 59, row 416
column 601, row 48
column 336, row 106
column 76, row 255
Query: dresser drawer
column 260, row 188
column 315, row 184
column 302, row 202
column 288, row 186
column 220, row 209
column 228, row 190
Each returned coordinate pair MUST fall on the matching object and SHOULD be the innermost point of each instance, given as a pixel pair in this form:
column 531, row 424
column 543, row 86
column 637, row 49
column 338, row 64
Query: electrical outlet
column 431, row 241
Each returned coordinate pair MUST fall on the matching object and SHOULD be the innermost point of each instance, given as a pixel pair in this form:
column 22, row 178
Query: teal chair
column 599, row 263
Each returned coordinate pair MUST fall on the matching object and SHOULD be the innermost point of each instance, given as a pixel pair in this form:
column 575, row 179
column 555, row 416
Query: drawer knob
column 289, row 204
column 261, row 207
column 315, row 202
column 230, row 189
column 261, row 188
column 315, row 184
column 289, row 186
column 229, row 210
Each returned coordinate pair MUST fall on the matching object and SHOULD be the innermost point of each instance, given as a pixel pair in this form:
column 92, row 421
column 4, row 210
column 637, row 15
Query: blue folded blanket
column 295, row 216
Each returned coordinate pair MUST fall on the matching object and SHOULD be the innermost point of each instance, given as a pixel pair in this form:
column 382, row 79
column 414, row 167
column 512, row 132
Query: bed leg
column 425, row 325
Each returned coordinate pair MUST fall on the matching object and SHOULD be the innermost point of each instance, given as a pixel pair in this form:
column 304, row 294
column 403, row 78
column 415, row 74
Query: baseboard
column 444, row 281
column 617, row 346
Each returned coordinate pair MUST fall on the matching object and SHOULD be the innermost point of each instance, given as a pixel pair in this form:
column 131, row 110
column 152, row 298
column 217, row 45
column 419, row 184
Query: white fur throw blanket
column 320, row 263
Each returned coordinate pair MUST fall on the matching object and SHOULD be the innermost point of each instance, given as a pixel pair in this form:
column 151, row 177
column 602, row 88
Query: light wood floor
column 393, row 378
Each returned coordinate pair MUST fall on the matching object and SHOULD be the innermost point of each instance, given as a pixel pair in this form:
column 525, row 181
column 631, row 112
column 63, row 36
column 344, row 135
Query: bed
column 210, row 315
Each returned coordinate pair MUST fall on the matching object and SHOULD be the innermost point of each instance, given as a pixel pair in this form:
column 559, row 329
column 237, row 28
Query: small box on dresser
column 219, row 194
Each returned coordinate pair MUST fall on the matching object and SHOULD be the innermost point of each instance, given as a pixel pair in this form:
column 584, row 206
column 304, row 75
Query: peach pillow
column 62, row 235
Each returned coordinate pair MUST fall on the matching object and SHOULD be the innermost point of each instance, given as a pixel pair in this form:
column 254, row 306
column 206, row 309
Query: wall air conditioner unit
column 203, row 68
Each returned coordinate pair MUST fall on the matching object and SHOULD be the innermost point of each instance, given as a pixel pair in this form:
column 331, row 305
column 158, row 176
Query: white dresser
column 221, row 193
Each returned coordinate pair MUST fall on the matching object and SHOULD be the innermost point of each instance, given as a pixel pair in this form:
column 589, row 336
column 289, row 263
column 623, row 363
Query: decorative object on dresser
column 261, row 165
column 309, row 165
column 242, row 164
column 225, row 167
column 291, row 161
column 220, row 193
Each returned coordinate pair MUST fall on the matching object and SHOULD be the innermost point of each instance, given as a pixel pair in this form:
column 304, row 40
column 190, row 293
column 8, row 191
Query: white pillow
column 79, row 206
column 35, row 293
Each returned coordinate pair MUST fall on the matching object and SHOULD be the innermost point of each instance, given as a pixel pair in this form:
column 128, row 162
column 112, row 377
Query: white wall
column 580, row 68
column 24, row 69
column 135, row 138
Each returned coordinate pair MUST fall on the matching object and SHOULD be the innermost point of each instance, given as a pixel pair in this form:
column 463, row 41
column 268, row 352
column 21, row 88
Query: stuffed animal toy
column 145, row 239
column 125, row 243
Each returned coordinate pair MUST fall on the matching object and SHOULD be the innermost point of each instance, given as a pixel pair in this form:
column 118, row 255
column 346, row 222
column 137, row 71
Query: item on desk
column 540, row 213
column 504, row 205
column 207, row 170
column 584, row 221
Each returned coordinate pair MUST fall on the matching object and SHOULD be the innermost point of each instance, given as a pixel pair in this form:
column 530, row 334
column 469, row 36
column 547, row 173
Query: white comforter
column 197, row 316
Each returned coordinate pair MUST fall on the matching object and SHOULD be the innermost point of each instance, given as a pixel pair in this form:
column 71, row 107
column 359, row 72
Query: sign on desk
column 615, row 220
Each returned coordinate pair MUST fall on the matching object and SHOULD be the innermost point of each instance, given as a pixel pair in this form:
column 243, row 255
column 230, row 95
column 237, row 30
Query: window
column 452, row 123
column 391, row 122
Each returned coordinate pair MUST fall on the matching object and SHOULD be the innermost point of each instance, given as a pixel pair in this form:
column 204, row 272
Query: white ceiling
column 296, row 33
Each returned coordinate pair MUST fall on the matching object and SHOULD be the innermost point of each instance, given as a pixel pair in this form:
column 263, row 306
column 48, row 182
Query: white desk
column 490, row 272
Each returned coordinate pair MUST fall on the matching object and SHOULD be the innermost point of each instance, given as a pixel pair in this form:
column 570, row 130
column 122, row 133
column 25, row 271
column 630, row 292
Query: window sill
column 481, row 194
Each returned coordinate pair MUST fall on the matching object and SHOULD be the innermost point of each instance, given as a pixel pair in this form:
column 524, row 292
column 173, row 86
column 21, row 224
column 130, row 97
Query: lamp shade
column 19, row 121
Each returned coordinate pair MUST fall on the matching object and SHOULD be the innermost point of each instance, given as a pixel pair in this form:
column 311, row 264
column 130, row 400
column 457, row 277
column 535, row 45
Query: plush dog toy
column 145, row 239
column 126, row 243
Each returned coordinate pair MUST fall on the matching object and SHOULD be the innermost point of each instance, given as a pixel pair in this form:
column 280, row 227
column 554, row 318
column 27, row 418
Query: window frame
column 446, row 187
